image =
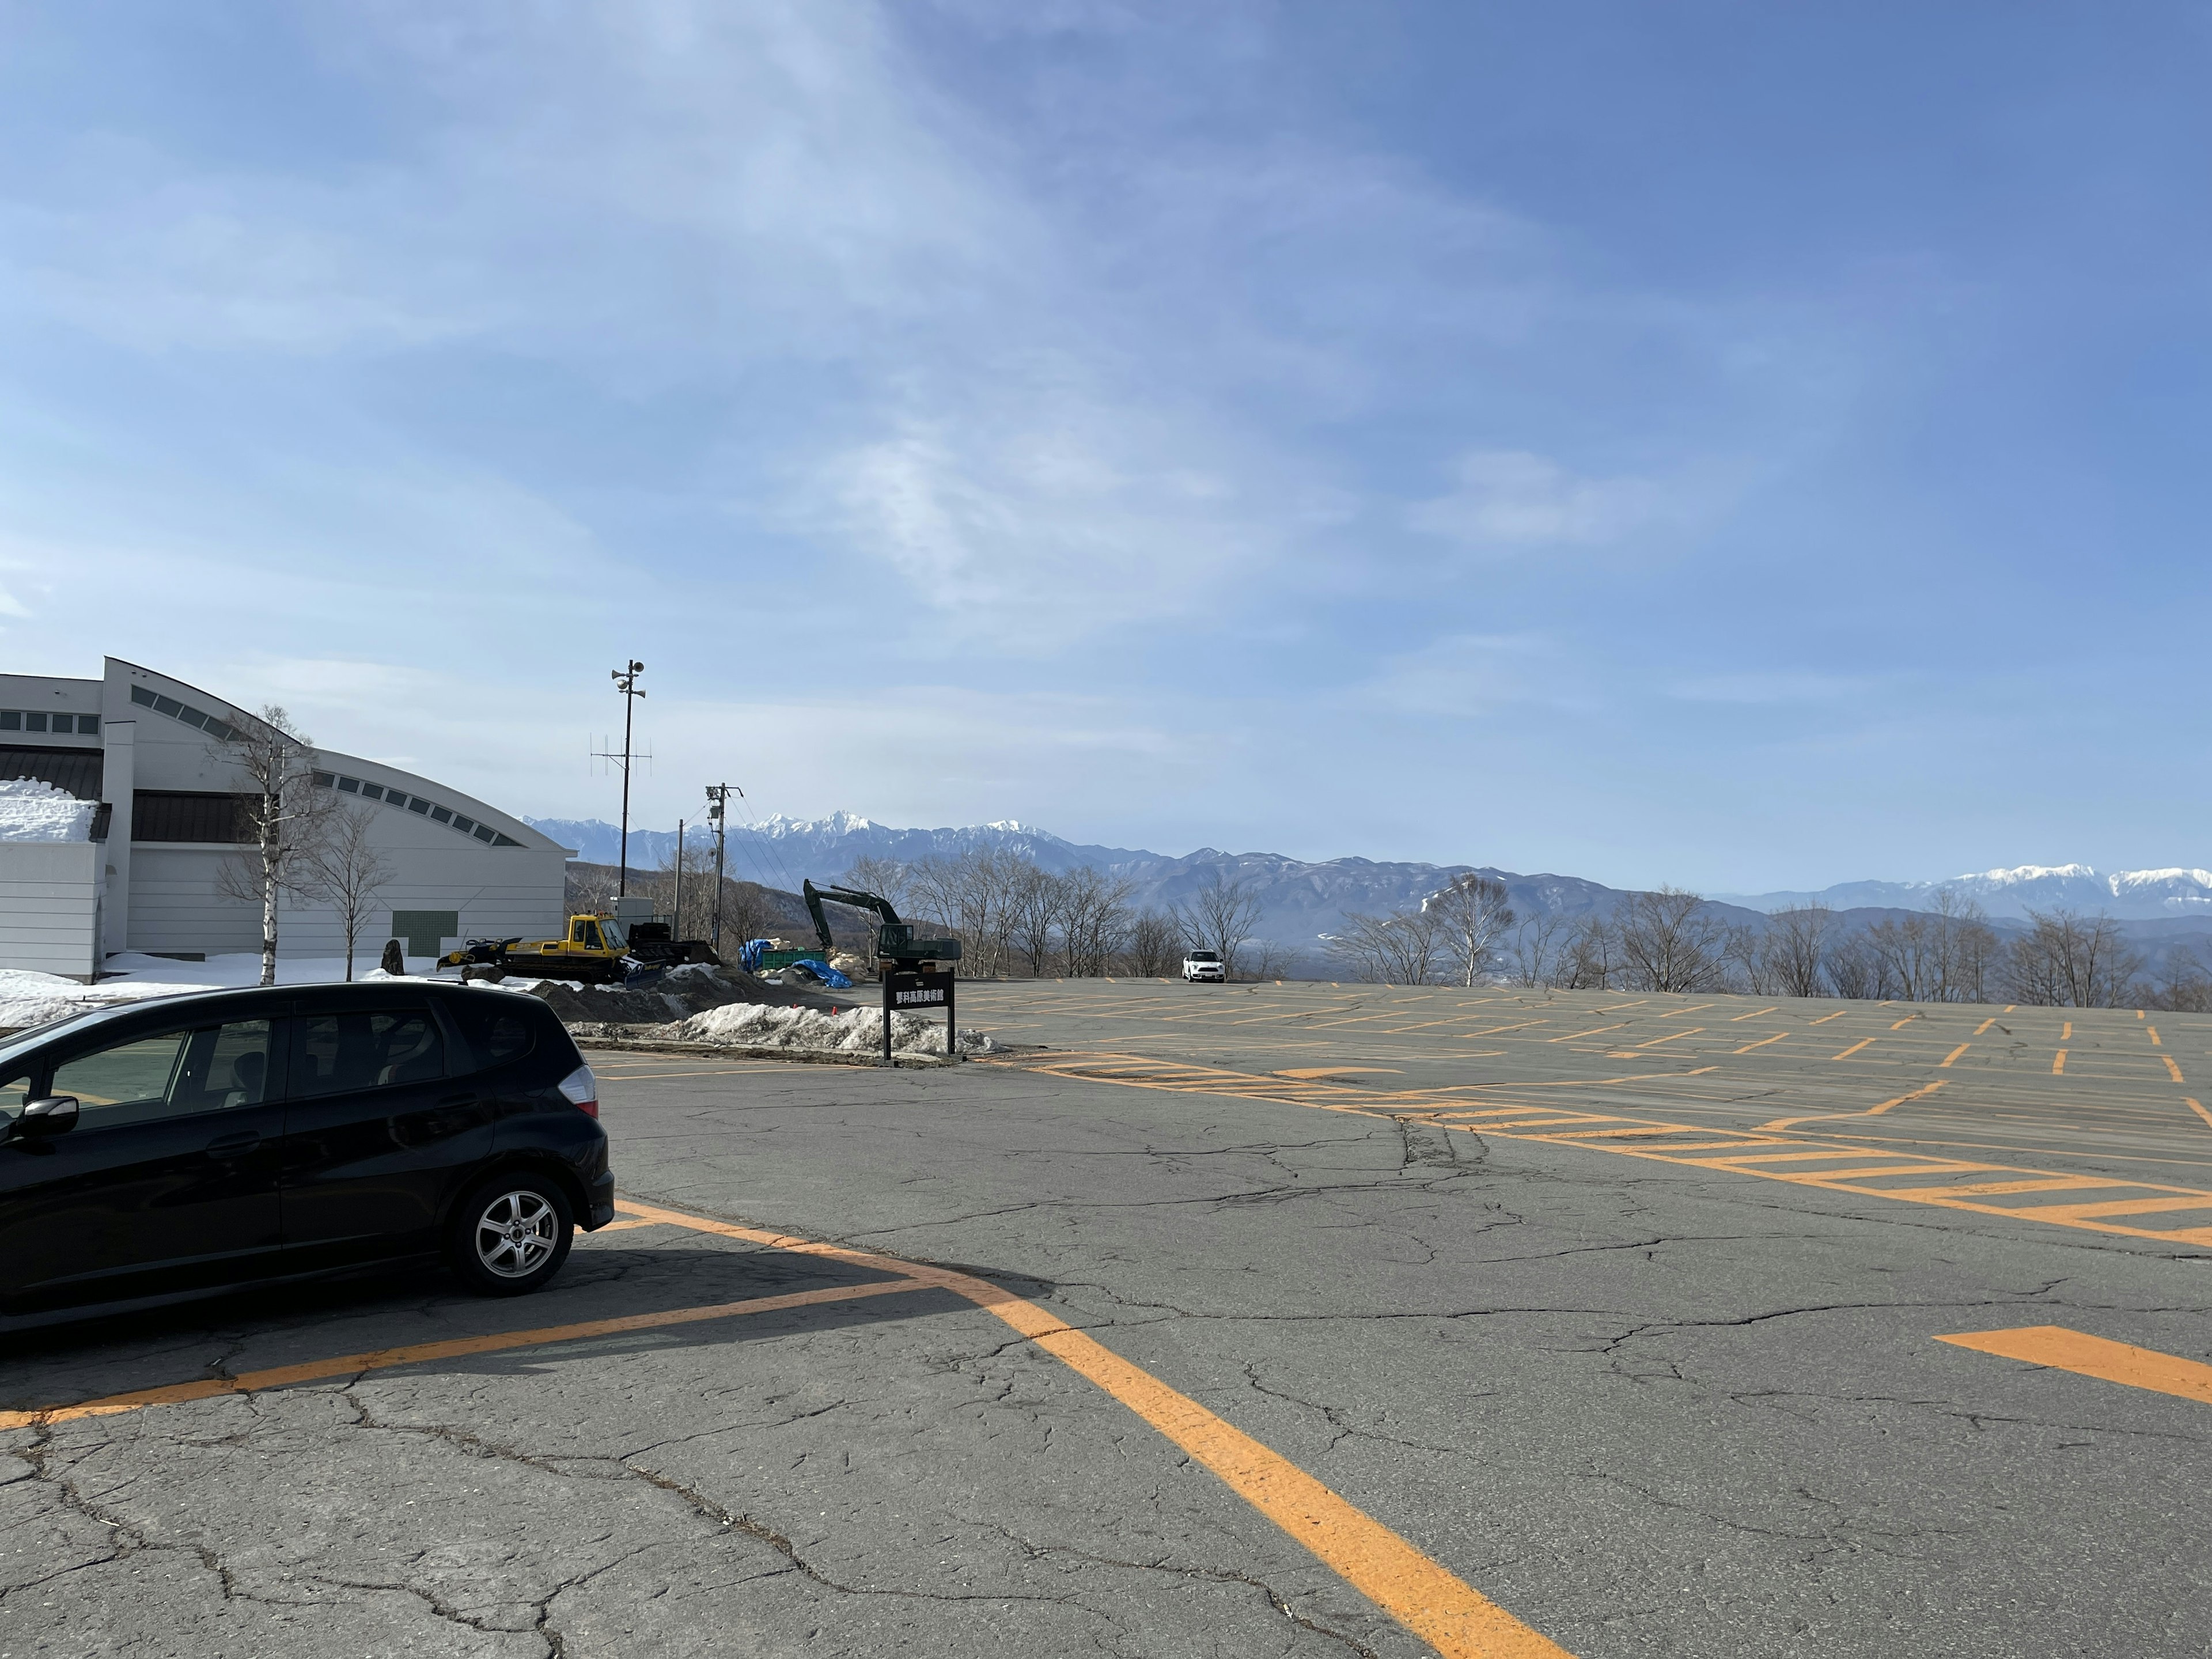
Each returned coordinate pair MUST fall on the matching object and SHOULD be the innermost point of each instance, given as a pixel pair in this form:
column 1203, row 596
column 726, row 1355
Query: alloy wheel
column 515, row 1233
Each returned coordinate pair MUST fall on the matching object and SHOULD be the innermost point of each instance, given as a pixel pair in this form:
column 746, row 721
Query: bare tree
column 1035, row 901
column 1793, row 947
column 1220, row 917
column 1155, row 944
column 682, row 889
column 1671, row 941
column 1535, row 956
column 1473, row 916
column 885, row 877
column 1094, row 910
column 349, row 870
column 1853, row 970
column 2067, row 960
column 2183, row 985
column 282, row 812
column 1591, row 959
column 1399, row 948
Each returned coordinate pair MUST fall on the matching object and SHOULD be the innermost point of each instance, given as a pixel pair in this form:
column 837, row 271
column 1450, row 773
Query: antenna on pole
column 625, row 679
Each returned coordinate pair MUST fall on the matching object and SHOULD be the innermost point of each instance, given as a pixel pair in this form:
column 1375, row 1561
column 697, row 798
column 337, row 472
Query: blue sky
column 1741, row 445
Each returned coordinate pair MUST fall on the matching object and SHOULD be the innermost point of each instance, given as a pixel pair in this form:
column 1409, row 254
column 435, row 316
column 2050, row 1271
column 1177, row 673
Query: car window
column 224, row 1067
column 15, row 1093
column 126, row 1082
column 339, row 1054
column 496, row 1031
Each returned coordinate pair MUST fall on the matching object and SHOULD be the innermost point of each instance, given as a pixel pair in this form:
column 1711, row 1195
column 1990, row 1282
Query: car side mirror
column 56, row 1115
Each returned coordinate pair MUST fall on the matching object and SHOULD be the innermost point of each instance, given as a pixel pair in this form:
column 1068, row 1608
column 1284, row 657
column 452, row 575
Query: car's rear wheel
column 510, row 1233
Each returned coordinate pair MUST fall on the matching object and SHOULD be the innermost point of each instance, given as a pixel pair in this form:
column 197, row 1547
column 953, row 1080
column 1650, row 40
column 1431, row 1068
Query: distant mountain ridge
column 2129, row 895
column 1303, row 900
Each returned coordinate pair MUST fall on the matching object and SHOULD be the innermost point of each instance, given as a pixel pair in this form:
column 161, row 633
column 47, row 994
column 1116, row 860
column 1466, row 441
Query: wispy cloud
column 1505, row 499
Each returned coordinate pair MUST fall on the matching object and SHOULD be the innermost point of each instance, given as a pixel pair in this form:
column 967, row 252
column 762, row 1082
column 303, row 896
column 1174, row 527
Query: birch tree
column 1473, row 916
column 283, row 815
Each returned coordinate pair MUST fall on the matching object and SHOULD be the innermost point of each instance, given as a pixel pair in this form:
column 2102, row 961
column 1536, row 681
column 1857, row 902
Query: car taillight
column 582, row 1088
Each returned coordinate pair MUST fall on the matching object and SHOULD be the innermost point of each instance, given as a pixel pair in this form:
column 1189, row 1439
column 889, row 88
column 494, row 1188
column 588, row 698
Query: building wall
column 512, row 884
column 50, row 906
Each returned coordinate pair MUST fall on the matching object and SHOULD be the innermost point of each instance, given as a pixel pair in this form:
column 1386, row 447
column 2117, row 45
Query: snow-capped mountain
column 2130, row 894
column 1300, row 900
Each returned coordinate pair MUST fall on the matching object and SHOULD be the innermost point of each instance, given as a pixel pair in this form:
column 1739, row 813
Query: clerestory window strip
column 418, row 804
column 46, row 720
column 345, row 786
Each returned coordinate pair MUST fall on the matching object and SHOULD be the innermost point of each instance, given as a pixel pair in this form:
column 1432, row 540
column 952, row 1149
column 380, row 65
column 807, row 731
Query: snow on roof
column 31, row 809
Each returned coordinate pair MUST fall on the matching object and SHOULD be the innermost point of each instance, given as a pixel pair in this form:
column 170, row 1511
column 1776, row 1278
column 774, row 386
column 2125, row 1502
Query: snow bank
column 855, row 1031
column 33, row 811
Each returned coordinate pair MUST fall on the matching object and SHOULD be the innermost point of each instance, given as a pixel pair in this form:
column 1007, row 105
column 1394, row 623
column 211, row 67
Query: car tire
column 510, row 1233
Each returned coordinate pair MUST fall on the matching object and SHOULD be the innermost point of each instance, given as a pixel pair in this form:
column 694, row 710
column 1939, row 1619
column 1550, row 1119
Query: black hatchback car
column 194, row 1144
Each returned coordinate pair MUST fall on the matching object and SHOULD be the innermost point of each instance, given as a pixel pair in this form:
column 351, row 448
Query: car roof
column 224, row 999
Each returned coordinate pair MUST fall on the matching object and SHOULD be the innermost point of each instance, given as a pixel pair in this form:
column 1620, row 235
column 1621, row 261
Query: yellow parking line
column 1593, row 1031
column 1793, row 1152
column 1457, row 1620
column 2172, row 1070
column 2066, row 1032
column 1906, row 1021
column 2198, row 1107
column 2062, row 1350
column 1854, row 1048
column 1825, row 1018
column 2058, row 1064
column 315, row 1370
column 1452, row 1617
column 2153, row 1029
column 1754, row 1014
column 1762, row 1042
column 1882, row 1110
column 1952, row 1055
column 1985, row 1025
column 1676, row 1037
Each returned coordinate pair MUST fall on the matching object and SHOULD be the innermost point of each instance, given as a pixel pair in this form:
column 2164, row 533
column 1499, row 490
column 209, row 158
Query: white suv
column 1203, row 965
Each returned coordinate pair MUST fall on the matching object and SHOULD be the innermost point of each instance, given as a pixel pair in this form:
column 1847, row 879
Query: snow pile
column 855, row 1031
column 32, row 809
column 29, row 999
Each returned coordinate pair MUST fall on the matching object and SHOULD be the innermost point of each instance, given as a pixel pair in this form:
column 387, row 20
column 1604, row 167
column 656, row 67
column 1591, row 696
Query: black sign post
column 910, row 992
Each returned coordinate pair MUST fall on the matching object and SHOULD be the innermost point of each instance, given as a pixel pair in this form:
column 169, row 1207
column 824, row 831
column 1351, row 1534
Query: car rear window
column 499, row 1027
column 339, row 1054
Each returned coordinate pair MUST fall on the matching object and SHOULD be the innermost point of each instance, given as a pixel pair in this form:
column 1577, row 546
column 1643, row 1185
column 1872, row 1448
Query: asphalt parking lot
column 1227, row 1320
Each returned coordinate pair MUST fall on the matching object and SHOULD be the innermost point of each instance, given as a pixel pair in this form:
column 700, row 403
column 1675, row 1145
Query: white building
column 140, row 872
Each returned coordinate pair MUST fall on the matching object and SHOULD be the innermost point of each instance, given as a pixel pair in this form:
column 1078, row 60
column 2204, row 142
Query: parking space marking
column 351, row 1365
column 1479, row 1111
column 1886, row 1106
column 2058, row 1349
column 2198, row 1107
column 1451, row 1616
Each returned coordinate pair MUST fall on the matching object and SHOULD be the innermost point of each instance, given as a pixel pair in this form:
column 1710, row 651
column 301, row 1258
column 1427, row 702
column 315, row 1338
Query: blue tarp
column 822, row 971
column 749, row 954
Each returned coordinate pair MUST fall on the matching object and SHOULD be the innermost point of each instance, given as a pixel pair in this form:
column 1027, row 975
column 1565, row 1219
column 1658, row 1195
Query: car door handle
column 233, row 1146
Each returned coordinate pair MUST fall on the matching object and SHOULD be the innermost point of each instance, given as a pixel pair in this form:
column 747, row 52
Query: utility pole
column 625, row 680
column 676, row 921
column 717, row 796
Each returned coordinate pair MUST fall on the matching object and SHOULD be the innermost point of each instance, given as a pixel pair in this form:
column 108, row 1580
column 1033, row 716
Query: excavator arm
column 894, row 939
column 860, row 901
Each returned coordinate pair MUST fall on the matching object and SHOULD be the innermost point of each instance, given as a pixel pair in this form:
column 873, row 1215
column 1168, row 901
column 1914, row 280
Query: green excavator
column 897, row 942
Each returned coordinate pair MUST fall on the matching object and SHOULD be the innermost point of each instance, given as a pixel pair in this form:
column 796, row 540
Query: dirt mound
column 680, row 994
